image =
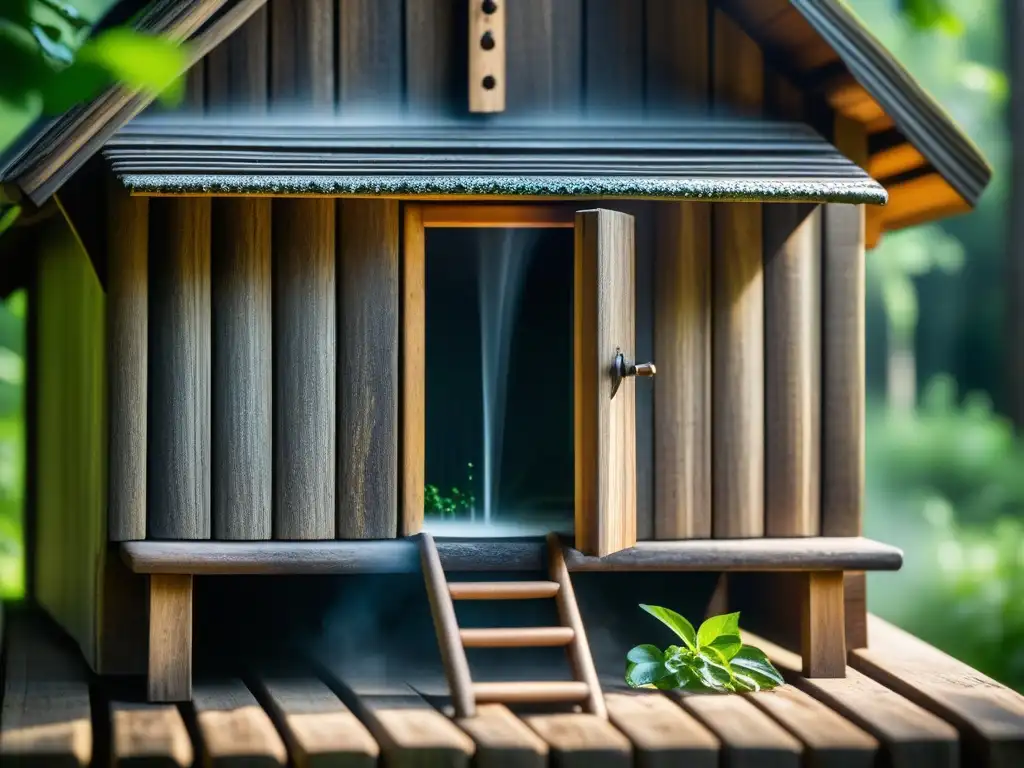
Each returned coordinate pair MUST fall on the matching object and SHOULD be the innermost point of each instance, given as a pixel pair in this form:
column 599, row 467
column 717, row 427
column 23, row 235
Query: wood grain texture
column 843, row 371
column 910, row 736
column 435, row 61
column 502, row 590
column 242, row 369
column 545, row 55
column 614, row 55
column 738, row 67
column 446, row 627
column 170, row 638
column 989, row 715
column 304, row 368
column 178, row 482
column 682, row 388
column 234, row 730
column 369, row 53
column 822, row 626
column 664, row 735
column 195, row 88
column 503, row 740
column 645, row 277
column 516, row 637
column 127, row 362
column 792, row 333
column 828, row 738
column 678, row 66
column 519, row 692
column 413, row 343
column 318, row 729
column 486, row 63
column 46, row 709
column 582, row 741
column 737, row 372
column 368, row 374
column 236, row 70
column 855, row 591
column 605, row 426
column 148, row 735
column 749, row 738
column 302, row 67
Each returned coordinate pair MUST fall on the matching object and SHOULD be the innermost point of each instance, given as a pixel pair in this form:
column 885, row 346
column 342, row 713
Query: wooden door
column 605, row 400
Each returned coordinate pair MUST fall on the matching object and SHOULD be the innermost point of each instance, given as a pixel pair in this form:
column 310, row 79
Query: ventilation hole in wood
column 487, row 41
column 489, row 82
column 489, row 7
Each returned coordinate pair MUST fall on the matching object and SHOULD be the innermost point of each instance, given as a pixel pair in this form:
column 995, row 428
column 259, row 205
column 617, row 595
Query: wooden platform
column 527, row 554
column 904, row 704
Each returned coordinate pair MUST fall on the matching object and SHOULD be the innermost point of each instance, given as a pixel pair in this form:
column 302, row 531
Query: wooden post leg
column 856, row 610
column 170, row 637
column 823, row 628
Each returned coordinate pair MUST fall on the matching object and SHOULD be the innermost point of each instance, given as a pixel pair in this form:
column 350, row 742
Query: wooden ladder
column 453, row 641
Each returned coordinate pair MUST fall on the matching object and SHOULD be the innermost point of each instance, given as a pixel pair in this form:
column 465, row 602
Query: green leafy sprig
column 711, row 659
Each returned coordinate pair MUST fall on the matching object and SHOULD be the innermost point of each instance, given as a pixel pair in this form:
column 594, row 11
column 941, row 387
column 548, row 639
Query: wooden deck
column 902, row 704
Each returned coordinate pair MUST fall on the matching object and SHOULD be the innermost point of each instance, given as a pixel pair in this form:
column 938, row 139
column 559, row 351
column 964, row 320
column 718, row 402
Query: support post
column 170, row 637
column 823, row 630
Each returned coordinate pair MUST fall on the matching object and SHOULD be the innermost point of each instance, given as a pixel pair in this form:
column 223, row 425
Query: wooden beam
column 823, row 628
column 304, row 369
column 413, row 406
column 233, row 729
column 236, row 70
column 170, row 637
column 664, row 735
column 302, row 53
column 582, row 741
column 148, row 734
column 369, row 58
column 503, row 740
column 455, row 215
column 678, row 66
column 435, row 62
column 368, row 277
column 127, row 362
column 178, row 477
column 614, row 63
column 242, row 372
column 487, row 55
column 545, row 55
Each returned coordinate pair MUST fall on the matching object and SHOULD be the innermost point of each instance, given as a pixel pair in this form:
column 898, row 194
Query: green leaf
column 52, row 46
column 753, row 666
column 645, row 654
column 727, row 645
column 675, row 622
column 143, row 62
column 716, row 626
column 648, row 673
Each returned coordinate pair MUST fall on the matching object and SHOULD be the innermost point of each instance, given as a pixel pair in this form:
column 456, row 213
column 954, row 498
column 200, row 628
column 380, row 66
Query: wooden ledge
column 527, row 554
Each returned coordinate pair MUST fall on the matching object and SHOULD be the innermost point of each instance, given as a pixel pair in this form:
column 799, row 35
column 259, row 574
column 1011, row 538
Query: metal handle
column 621, row 368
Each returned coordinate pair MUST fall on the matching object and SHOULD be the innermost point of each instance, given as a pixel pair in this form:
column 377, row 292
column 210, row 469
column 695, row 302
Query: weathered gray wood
column 545, row 55
column 843, row 382
column 304, row 368
column 369, row 53
column 236, row 70
column 678, row 73
column 302, row 52
column 149, row 735
column 400, row 556
column 195, row 88
column 233, row 729
column 645, row 278
column 368, row 362
column 435, row 55
column 178, row 459
column 127, row 330
column 614, row 67
column 682, row 388
column 792, row 332
column 242, row 378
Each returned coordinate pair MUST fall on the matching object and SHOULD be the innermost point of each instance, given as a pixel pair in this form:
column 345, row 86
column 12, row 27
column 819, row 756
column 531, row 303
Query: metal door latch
column 621, row 368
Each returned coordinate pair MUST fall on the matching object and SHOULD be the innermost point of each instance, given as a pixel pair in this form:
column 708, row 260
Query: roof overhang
column 703, row 158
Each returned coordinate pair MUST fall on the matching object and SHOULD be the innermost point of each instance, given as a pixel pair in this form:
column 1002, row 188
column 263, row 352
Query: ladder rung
column 530, row 693
column 502, row 590
column 516, row 637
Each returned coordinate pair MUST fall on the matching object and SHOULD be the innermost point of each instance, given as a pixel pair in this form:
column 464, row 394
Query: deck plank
column 316, row 726
column 234, row 728
column 582, row 741
column 503, row 740
column 989, row 715
column 750, row 739
column 149, row 735
column 911, row 737
column 46, row 712
column 664, row 735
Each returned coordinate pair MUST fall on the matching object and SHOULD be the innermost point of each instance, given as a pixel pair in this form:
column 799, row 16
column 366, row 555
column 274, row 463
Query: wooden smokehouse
column 230, row 368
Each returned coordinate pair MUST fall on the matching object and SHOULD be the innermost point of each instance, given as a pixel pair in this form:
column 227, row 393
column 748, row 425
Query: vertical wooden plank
column 605, row 421
column 737, row 315
column 414, row 370
column 646, row 220
column 545, row 55
column 195, row 87
column 127, row 329
column 486, row 57
column 682, row 388
column 370, row 53
column 614, row 55
column 178, row 466
column 855, row 609
column 304, row 368
column 678, row 54
column 302, row 52
column 242, row 327
column 170, row 637
column 368, row 369
column 435, row 64
column 823, row 628
column 236, row 70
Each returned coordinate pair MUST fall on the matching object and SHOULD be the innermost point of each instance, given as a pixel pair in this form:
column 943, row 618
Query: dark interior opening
column 499, row 381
